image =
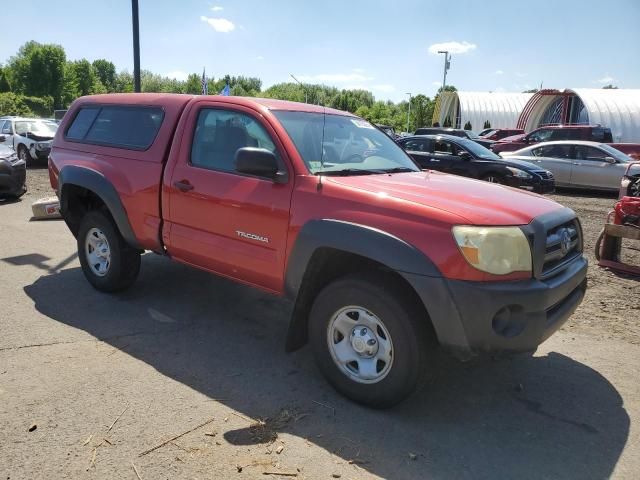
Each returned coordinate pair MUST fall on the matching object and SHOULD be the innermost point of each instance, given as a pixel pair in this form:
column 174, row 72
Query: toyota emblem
column 565, row 241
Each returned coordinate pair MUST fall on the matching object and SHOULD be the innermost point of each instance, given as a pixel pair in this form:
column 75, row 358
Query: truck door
column 218, row 219
column 557, row 159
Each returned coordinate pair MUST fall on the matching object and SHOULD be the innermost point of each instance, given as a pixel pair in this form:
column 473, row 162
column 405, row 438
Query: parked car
column 577, row 164
column 29, row 137
column 456, row 132
column 12, row 174
column 500, row 133
column 462, row 156
column 389, row 130
column 590, row 133
column 381, row 260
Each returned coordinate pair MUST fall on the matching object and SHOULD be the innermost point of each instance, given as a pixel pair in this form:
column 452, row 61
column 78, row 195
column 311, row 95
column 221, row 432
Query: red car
column 591, row 133
column 500, row 133
column 382, row 261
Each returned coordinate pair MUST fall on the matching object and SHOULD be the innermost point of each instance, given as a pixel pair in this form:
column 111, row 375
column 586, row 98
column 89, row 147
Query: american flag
column 204, row 83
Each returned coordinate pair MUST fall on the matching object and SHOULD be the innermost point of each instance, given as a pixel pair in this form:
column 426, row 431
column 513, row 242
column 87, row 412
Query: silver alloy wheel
column 97, row 251
column 360, row 344
column 22, row 154
column 635, row 188
column 491, row 179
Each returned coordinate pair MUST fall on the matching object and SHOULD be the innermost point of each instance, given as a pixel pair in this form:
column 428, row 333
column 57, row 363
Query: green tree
column 105, row 71
column 487, row 124
column 124, row 82
column 610, row 87
column 193, row 84
column 4, row 81
column 467, row 126
column 447, row 122
column 85, row 77
column 38, row 70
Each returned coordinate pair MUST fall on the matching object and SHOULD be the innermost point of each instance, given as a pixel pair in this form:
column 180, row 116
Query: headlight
column 42, row 146
column 496, row 250
column 516, row 172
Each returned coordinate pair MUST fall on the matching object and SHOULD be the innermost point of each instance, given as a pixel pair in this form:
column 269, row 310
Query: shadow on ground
column 541, row 417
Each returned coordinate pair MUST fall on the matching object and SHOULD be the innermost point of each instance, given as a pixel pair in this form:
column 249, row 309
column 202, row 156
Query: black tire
column 634, row 187
column 124, row 262
column 23, row 154
column 598, row 245
column 406, row 324
column 494, row 178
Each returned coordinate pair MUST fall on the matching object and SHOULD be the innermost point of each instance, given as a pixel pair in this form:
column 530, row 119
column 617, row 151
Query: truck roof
column 176, row 99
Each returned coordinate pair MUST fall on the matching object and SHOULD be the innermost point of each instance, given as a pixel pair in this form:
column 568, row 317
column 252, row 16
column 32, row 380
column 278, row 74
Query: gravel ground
column 90, row 384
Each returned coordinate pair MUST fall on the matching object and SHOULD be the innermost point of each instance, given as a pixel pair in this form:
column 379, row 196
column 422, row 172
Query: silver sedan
column 580, row 164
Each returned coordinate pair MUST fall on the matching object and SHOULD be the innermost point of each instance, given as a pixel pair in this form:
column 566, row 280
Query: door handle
column 435, row 160
column 577, row 163
column 183, row 185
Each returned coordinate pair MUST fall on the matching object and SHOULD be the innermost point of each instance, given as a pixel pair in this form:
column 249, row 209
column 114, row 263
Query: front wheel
column 369, row 339
column 107, row 261
column 24, row 155
column 494, row 178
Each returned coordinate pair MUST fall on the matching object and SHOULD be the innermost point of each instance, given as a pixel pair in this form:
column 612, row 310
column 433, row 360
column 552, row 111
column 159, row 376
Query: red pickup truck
column 382, row 261
column 591, row 133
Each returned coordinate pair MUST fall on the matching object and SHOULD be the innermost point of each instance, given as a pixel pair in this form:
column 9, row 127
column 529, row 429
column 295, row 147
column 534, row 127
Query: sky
column 388, row 47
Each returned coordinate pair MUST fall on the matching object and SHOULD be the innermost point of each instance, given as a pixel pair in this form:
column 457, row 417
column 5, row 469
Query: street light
column 303, row 87
column 408, row 111
column 447, row 64
column 136, row 45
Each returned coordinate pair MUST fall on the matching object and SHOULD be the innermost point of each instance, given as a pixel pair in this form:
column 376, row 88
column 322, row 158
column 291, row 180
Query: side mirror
column 2, row 138
column 610, row 160
column 259, row 162
column 465, row 156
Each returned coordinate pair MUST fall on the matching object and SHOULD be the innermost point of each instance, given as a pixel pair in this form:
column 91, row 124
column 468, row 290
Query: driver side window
column 6, row 128
column 540, row 136
column 445, row 147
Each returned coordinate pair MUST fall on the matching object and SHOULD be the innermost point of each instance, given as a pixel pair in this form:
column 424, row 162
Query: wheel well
column 76, row 203
column 327, row 265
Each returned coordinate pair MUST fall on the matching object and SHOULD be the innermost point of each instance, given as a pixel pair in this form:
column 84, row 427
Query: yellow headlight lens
column 496, row 250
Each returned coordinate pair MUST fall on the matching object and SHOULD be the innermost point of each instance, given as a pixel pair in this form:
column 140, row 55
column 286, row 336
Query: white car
column 580, row 164
column 30, row 137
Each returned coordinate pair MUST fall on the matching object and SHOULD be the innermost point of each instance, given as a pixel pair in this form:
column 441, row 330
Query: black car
column 13, row 174
column 464, row 157
column 456, row 132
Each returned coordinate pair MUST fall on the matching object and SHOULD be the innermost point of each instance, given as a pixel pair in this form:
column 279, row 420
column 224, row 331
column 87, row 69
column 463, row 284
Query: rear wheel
column 107, row 261
column 369, row 339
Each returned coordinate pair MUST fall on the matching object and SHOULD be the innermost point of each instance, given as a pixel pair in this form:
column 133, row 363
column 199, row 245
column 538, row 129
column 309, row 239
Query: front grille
column 545, row 175
column 563, row 245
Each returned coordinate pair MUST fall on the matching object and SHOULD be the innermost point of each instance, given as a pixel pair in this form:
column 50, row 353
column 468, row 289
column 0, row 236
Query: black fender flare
column 370, row 243
column 98, row 184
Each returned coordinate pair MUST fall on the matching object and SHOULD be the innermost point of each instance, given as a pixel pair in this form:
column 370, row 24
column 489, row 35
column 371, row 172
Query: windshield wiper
column 399, row 170
column 345, row 172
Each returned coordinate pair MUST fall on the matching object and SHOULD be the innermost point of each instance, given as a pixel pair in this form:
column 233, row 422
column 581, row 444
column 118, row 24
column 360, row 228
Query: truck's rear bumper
column 517, row 316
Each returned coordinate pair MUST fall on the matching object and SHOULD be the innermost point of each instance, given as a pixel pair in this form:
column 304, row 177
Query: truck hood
column 468, row 201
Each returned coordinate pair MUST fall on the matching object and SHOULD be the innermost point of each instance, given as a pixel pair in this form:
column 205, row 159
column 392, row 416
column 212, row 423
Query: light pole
column 303, row 87
column 408, row 111
column 447, row 64
column 136, row 46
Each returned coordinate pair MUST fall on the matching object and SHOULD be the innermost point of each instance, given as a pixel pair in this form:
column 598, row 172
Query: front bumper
column 535, row 184
column 515, row 316
column 12, row 179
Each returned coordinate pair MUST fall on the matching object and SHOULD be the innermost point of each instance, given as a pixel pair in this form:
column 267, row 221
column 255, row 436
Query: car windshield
column 478, row 150
column 471, row 134
column 339, row 144
column 37, row 127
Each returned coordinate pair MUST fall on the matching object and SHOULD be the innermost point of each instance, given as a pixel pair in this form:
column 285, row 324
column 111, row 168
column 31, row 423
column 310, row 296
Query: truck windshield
column 339, row 144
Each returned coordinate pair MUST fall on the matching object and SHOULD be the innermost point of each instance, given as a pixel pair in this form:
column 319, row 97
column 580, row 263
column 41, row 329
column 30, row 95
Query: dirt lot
column 105, row 379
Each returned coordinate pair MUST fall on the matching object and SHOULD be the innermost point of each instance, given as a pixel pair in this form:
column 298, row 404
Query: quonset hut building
column 617, row 109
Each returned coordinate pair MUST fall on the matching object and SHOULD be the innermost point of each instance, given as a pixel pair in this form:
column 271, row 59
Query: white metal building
column 501, row 109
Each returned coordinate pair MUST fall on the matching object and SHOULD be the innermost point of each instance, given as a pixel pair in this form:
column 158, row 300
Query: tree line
column 40, row 79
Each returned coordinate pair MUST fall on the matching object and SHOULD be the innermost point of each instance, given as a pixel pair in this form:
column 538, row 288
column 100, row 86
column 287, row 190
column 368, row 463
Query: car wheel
column 107, row 261
column 369, row 339
column 634, row 187
column 493, row 178
column 24, row 155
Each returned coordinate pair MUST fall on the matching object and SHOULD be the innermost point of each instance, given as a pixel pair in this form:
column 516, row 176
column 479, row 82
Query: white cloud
column 178, row 75
column 607, row 79
column 335, row 78
column 452, row 47
column 499, row 72
column 219, row 24
column 217, row 8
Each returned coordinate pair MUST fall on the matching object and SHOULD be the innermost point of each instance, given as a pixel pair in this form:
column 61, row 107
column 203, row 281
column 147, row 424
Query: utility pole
column 408, row 111
column 303, row 87
column 447, row 64
column 136, row 46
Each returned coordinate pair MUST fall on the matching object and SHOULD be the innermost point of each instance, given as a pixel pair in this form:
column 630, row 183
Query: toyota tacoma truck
column 383, row 262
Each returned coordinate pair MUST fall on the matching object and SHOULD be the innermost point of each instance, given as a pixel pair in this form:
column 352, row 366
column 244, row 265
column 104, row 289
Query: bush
column 14, row 104
column 467, row 126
